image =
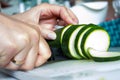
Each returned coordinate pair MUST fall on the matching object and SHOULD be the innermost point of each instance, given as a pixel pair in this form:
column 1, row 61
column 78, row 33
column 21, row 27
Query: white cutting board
column 69, row 68
column 65, row 68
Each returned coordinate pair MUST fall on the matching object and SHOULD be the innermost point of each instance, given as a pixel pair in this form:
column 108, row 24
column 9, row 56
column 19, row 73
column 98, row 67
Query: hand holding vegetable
column 22, row 36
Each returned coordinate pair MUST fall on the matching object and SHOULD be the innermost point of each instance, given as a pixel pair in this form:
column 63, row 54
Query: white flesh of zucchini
column 72, row 43
column 102, row 56
column 97, row 39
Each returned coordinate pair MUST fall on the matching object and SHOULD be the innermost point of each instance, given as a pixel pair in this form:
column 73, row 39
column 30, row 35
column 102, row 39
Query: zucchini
column 100, row 56
column 69, row 39
column 84, row 42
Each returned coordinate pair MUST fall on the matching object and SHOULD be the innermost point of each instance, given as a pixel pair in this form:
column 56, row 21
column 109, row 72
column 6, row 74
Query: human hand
column 21, row 42
column 47, row 16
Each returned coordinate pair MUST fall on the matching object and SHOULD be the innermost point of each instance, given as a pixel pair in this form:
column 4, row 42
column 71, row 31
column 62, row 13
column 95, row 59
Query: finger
column 31, row 59
column 61, row 23
column 12, row 66
column 18, row 60
column 48, row 34
column 59, row 10
column 5, row 58
column 40, row 61
column 22, row 54
column 73, row 16
column 44, row 52
column 20, row 57
column 47, row 26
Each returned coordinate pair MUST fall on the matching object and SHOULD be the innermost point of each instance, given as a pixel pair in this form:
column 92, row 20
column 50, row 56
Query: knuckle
column 35, row 36
column 24, row 39
column 11, row 47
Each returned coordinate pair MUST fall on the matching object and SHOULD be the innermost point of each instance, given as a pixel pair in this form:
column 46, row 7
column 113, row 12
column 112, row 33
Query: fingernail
column 52, row 36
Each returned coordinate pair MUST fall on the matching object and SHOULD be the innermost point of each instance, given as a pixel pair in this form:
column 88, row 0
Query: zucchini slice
column 102, row 56
column 63, row 31
column 78, row 40
column 96, row 38
column 69, row 40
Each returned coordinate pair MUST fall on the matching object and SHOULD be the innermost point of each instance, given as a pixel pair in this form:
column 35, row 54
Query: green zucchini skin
column 107, row 59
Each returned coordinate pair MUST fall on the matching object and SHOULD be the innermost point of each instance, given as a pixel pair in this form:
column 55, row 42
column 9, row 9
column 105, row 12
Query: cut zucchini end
column 103, row 56
column 96, row 38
